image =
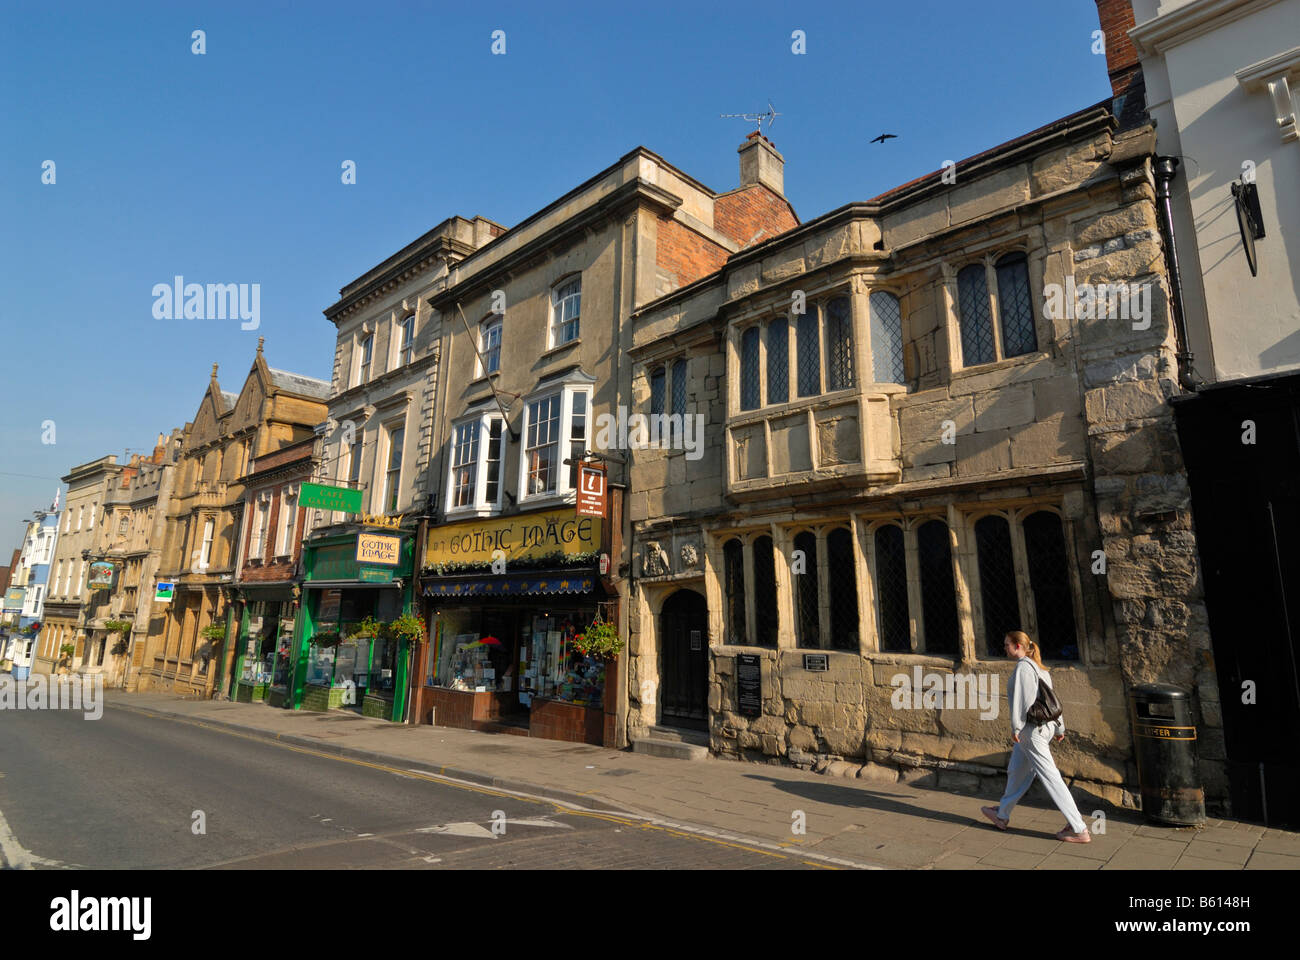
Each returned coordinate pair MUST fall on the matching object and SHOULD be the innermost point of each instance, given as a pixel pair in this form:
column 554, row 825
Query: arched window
column 658, row 381
column 976, row 322
column 1049, row 577
column 997, row 581
column 1015, row 307
column 843, row 584
column 938, row 594
column 886, row 338
column 765, row 615
column 891, row 590
column 809, row 359
column 807, row 623
column 733, row 558
column 749, row 384
column 839, row 345
column 778, row 361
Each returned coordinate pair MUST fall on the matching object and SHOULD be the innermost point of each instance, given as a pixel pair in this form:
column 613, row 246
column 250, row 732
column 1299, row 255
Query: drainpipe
column 1166, row 168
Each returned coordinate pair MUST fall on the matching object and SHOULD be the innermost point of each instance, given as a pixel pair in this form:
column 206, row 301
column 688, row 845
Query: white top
column 1023, row 691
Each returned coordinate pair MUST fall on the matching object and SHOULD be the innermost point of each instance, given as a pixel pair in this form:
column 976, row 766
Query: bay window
column 557, row 426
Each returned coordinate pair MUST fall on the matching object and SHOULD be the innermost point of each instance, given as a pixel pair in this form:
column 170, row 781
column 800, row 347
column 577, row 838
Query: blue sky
column 225, row 167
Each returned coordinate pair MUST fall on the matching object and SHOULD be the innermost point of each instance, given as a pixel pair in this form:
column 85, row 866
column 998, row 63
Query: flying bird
column 885, row 136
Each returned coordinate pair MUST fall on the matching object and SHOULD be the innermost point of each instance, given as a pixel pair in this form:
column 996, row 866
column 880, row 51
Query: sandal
column 1069, row 836
column 992, row 814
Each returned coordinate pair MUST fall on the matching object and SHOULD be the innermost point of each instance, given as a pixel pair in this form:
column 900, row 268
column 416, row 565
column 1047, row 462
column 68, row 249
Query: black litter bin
column 1165, row 738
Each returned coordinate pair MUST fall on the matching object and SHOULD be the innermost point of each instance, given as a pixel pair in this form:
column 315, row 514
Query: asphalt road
column 126, row 792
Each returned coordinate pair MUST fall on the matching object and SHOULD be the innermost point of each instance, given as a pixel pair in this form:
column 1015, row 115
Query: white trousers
column 1032, row 757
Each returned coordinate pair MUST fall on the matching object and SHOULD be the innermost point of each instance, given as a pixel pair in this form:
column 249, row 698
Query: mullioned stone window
column 996, row 288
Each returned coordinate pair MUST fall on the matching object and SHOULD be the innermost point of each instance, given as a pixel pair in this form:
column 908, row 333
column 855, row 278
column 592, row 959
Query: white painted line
column 14, row 856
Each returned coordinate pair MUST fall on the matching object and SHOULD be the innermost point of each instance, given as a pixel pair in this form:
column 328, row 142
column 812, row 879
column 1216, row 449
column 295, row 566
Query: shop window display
column 524, row 652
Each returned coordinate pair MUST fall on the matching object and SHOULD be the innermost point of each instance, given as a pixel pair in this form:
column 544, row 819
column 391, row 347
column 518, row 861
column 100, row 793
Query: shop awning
column 521, row 585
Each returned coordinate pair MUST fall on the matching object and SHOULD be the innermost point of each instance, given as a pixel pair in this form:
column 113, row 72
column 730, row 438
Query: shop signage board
column 324, row 497
column 101, row 575
column 749, row 684
column 378, row 548
column 591, row 490
column 546, row 533
column 14, row 598
column 164, row 591
column 373, row 575
column 816, row 662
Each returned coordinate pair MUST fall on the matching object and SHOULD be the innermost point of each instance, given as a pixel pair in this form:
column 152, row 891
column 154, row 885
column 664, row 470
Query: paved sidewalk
column 888, row 825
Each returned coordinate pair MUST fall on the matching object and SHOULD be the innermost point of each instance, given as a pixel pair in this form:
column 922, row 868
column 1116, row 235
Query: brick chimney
column 159, row 449
column 760, row 163
column 1122, row 65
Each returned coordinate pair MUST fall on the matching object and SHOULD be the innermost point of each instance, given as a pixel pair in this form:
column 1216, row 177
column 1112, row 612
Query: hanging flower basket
column 326, row 638
column 600, row 640
column 408, row 627
column 213, row 632
column 368, row 629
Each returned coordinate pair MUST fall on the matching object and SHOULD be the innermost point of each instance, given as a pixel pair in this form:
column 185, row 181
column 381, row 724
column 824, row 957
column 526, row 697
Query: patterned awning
column 541, row 582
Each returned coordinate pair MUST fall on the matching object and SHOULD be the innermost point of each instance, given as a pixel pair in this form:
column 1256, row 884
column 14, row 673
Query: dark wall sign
column 816, row 662
column 749, row 684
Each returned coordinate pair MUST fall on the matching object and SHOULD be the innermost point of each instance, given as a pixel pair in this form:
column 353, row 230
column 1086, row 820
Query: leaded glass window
column 778, row 361
column 976, row 322
column 807, row 621
column 843, row 583
column 733, row 557
column 938, row 593
column 839, row 344
column 998, row 594
column 765, row 615
column 657, row 383
column 886, row 338
column 749, row 384
column 809, row 354
column 891, row 590
column 1015, row 307
column 1049, row 577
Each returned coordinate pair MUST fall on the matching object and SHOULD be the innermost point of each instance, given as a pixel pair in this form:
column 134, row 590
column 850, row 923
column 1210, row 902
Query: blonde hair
column 1019, row 638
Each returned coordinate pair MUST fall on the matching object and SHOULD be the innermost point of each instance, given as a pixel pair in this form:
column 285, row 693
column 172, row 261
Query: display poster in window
column 591, row 490
column 749, row 684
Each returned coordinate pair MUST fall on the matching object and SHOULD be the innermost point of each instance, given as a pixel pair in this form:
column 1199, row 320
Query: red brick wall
column 745, row 212
column 684, row 254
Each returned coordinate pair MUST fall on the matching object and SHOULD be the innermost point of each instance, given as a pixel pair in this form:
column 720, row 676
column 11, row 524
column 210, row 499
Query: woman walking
column 1032, row 755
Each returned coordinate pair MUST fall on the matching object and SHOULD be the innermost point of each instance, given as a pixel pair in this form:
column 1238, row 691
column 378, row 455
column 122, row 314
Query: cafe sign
column 376, row 548
column 324, row 497
column 523, row 536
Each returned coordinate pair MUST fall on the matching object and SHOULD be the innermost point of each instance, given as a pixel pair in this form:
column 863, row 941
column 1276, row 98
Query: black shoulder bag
column 1045, row 707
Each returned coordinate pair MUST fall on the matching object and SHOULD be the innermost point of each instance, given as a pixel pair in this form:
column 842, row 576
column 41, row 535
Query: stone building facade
column 90, row 485
column 273, row 409
column 131, row 538
column 921, row 434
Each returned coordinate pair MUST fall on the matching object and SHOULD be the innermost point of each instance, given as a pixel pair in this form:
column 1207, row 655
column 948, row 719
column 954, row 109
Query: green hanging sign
column 329, row 498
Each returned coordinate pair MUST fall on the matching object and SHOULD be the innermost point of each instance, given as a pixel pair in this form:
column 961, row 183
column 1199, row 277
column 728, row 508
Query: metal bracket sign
column 591, row 490
column 164, row 591
column 325, row 497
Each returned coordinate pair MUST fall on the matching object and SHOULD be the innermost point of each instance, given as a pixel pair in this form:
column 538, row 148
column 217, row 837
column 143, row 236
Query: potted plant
column 65, row 656
column 600, row 640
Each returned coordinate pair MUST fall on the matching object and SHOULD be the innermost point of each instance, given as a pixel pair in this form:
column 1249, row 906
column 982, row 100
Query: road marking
column 14, row 856
column 630, row 818
column 459, row 830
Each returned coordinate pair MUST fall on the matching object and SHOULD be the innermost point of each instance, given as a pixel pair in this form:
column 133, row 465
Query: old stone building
column 90, row 485
column 930, row 418
column 533, row 330
column 130, row 539
column 273, row 409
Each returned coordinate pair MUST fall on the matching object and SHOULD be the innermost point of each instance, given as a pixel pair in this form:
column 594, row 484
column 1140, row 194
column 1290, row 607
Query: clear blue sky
column 226, row 167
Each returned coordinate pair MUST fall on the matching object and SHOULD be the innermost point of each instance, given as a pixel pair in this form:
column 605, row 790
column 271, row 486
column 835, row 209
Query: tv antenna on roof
column 757, row 118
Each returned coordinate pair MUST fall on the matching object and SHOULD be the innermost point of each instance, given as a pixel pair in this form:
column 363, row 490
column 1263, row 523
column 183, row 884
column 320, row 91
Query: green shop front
column 354, row 585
